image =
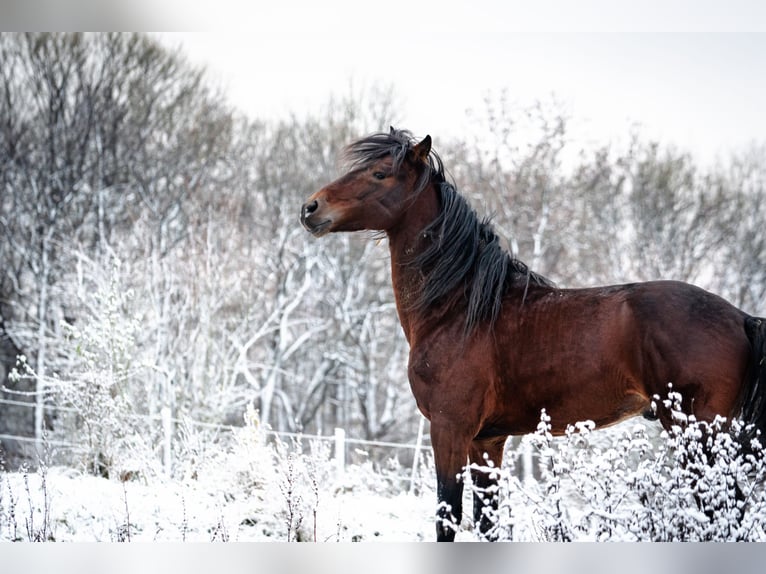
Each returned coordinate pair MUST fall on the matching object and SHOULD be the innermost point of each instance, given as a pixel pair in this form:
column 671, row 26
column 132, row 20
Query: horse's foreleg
column 450, row 455
column 483, row 497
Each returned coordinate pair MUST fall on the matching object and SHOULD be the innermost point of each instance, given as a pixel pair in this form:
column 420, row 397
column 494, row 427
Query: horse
column 493, row 343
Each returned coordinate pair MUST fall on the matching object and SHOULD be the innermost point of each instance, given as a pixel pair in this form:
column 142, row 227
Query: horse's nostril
column 307, row 209
column 310, row 208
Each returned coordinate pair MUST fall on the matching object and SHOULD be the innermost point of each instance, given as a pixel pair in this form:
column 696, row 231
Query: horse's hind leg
column 484, row 499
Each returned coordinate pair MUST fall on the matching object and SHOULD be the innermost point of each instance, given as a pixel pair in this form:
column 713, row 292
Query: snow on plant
column 300, row 475
column 697, row 483
column 94, row 399
column 29, row 514
column 283, row 478
column 694, row 482
column 297, row 482
column 96, row 392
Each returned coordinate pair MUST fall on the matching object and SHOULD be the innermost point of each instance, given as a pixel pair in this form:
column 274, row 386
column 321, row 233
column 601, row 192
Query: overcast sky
column 690, row 72
column 687, row 72
column 704, row 92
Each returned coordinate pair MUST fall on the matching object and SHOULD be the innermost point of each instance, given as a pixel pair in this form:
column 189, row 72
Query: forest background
column 152, row 260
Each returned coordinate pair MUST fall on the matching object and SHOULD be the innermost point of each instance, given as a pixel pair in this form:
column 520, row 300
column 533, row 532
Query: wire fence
column 345, row 450
column 342, row 444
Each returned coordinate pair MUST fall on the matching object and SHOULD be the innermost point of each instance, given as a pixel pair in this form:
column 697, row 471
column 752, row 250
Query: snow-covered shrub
column 696, row 483
column 286, row 479
column 99, row 396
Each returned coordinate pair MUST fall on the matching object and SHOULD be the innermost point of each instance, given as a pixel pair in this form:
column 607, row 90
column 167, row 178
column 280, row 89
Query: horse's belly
column 593, row 399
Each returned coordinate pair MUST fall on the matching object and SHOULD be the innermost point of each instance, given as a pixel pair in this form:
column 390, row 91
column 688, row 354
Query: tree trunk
column 42, row 312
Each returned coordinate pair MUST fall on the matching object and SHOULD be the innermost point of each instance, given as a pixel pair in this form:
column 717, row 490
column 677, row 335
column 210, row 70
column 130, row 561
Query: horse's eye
column 379, row 175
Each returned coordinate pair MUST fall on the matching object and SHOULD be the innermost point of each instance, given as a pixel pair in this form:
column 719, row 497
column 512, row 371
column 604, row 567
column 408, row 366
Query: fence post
column 416, row 458
column 527, row 462
column 340, row 451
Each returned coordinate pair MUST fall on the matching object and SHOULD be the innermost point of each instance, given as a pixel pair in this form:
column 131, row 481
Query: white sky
column 698, row 88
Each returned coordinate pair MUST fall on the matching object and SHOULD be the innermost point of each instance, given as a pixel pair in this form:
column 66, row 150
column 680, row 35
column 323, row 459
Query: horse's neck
column 405, row 242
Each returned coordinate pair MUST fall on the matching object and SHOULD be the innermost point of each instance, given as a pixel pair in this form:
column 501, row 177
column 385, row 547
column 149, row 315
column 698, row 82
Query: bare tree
column 741, row 266
column 675, row 215
column 96, row 130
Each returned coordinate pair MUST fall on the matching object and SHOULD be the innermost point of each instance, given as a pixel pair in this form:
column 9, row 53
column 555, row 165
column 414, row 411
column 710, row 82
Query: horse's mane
column 464, row 255
column 396, row 144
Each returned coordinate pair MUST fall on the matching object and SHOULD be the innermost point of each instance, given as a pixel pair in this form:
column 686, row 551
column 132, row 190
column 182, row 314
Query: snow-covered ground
column 623, row 484
column 88, row 508
column 249, row 488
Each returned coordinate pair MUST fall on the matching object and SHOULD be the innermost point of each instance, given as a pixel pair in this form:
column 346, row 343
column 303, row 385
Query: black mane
column 464, row 255
column 396, row 144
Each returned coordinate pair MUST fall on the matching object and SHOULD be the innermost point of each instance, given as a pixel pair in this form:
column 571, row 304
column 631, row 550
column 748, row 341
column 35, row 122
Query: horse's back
column 602, row 353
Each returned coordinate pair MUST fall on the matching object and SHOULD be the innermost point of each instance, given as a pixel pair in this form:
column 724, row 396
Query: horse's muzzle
column 315, row 225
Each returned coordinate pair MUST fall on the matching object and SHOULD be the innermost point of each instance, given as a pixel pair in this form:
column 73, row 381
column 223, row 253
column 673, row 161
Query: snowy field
column 625, row 484
column 255, row 490
column 86, row 509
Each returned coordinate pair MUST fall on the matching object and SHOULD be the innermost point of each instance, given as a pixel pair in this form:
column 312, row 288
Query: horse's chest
column 423, row 370
column 442, row 371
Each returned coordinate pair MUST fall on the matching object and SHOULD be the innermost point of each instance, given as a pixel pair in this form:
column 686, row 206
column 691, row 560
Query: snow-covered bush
column 696, row 483
column 96, row 384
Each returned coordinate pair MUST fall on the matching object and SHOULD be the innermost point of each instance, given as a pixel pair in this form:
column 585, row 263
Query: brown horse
column 491, row 343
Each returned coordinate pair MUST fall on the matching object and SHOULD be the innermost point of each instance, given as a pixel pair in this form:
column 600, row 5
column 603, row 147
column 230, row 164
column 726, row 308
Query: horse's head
column 387, row 172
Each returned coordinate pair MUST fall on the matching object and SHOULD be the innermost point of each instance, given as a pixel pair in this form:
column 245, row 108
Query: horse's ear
column 422, row 149
column 393, row 130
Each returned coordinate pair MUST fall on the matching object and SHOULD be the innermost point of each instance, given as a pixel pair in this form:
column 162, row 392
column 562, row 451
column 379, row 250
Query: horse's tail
column 754, row 404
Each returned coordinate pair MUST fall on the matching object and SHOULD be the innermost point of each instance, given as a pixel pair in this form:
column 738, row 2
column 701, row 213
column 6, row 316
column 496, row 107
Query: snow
column 624, row 484
column 94, row 509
